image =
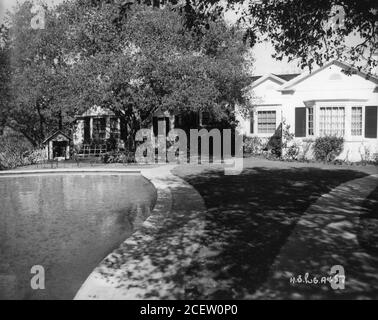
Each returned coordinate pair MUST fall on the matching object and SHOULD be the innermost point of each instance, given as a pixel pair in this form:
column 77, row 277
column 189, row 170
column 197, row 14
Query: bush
column 291, row 152
column 35, row 156
column 328, row 148
column 13, row 151
column 119, row 157
column 253, row 145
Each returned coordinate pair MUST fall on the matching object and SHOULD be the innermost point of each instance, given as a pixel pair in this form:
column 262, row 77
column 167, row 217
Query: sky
column 264, row 63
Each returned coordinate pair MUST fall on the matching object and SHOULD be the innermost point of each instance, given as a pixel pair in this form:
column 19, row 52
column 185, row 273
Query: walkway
column 327, row 235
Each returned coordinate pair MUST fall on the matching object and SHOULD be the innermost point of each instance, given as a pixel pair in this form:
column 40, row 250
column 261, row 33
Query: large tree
column 37, row 74
column 5, row 74
column 317, row 31
column 310, row 32
column 150, row 60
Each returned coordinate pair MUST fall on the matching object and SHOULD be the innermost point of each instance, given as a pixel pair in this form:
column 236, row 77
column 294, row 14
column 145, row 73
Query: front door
column 59, row 149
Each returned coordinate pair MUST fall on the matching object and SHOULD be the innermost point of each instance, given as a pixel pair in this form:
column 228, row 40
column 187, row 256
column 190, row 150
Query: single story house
column 335, row 99
column 97, row 125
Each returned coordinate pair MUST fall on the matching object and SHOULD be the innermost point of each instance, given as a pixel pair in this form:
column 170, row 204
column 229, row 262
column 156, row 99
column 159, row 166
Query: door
column 59, row 149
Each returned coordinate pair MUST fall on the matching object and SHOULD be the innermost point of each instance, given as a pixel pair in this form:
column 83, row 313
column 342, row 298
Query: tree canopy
column 310, row 32
column 316, row 31
column 134, row 64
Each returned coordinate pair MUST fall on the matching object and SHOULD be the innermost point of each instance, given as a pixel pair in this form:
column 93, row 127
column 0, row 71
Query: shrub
column 291, row 152
column 13, row 151
column 328, row 148
column 119, row 157
column 35, row 156
column 252, row 145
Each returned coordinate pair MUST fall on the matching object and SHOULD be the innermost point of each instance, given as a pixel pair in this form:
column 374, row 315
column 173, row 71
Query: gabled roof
column 280, row 78
column 55, row 134
column 348, row 68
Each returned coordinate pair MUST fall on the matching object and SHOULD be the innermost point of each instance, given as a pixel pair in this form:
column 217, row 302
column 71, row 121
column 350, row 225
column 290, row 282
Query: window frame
column 333, row 106
column 362, row 121
column 257, row 119
column 308, row 121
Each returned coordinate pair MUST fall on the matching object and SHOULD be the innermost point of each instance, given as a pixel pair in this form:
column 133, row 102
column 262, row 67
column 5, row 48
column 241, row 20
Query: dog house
column 57, row 146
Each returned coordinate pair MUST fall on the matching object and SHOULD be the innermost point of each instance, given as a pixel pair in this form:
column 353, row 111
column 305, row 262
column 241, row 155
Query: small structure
column 57, row 146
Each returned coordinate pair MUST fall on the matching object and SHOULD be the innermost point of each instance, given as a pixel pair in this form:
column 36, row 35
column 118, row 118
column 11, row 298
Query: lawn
column 249, row 218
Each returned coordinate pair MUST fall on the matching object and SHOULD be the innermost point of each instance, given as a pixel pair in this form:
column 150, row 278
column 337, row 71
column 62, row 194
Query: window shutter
column 371, row 122
column 167, row 125
column 300, row 122
column 251, row 122
column 155, row 125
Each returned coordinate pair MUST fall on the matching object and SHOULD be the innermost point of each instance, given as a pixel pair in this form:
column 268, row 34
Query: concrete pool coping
column 7, row 173
column 132, row 271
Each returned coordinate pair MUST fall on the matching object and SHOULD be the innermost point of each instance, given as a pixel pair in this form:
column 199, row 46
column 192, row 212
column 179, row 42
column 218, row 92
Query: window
column 332, row 121
column 205, row 118
column 114, row 129
column 99, row 127
column 356, row 121
column 266, row 121
column 310, row 121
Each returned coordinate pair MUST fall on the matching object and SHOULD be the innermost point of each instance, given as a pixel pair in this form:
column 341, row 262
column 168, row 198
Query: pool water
column 67, row 224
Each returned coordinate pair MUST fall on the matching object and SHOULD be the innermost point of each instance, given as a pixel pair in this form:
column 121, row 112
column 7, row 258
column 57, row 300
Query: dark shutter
column 300, row 122
column 167, row 125
column 155, row 125
column 251, row 123
column 87, row 130
column 371, row 122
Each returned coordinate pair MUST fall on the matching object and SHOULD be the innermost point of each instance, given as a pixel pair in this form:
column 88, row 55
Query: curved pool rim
column 163, row 201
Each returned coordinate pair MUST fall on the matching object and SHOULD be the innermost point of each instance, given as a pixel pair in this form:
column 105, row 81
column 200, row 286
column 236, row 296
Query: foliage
column 253, row 145
column 152, row 62
column 13, row 149
column 328, row 148
column 37, row 85
column 35, row 156
column 316, row 31
column 119, row 157
column 290, row 149
column 310, row 32
column 291, row 152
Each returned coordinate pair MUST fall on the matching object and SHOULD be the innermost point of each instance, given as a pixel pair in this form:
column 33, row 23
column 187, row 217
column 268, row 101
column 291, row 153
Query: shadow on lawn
column 249, row 219
column 226, row 251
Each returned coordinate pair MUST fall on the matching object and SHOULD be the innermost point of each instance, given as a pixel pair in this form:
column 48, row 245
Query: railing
column 92, row 150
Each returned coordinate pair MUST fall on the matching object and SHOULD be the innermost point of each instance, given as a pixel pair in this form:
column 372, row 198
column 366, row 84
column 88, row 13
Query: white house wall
column 328, row 87
column 265, row 97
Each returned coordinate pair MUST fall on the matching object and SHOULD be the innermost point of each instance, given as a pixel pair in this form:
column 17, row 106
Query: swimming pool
column 66, row 223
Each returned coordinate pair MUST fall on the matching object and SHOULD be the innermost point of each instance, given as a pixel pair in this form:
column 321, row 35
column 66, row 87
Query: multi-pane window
column 310, row 121
column 266, row 121
column 114, row 128
column 356, row 121
column 332, row 121
column 99, row 128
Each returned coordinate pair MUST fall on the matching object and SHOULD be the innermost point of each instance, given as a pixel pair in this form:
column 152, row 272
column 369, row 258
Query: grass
column 249, row 218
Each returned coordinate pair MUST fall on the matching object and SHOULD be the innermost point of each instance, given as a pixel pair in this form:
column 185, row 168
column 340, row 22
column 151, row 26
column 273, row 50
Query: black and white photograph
column 186, row 151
